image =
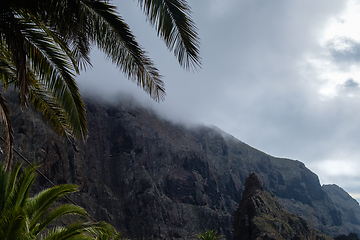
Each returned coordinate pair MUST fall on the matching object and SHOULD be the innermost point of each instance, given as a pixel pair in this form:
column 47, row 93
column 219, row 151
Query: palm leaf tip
column 113, row 36
column 172, row 19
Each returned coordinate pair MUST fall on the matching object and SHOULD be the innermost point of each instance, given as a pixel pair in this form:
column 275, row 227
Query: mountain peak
column 253, row 183
column 261, row 216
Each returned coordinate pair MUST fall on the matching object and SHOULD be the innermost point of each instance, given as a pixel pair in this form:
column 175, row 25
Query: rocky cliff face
column 348, row 207
column 156, row 180
column 260, row 216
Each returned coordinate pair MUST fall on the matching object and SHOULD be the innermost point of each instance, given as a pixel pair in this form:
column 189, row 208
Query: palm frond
column 9, row 183
column 14, row 192
column 77, row 56
column 13, row 37
column 113, row 236
column 4, row 182
column 79, row 230
column 65, row 209
column 39, row 204
column 172, row 20
column 73, row 28
column 51, row 110
column 9, row 139
column 113, row 36
column 54, row 69
column 21, row 190
column 8, row 72
column 12, row 224
column 40, row 98
column 22, row 217
column 209, row 235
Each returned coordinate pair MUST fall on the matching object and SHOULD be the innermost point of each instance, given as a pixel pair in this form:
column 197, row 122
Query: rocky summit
column 156, row 180
column 260, row 216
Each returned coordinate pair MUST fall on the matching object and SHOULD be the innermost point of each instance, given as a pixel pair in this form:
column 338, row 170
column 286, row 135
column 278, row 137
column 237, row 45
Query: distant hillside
column 156, row 180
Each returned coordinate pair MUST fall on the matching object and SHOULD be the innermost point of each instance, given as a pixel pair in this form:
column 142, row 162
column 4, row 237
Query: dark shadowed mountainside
column 156, row 180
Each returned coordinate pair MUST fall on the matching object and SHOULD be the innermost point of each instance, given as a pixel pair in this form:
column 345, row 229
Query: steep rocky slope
column 348, row 207
column 260, row 216
column 156, row 180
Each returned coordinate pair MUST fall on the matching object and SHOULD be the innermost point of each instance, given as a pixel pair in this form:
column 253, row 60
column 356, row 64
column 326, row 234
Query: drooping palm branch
column 53, row 90
column 8, row 132
column 113, row 36
column 45, row 73
column 7, row 74
column 54, row 68
column 172, row 20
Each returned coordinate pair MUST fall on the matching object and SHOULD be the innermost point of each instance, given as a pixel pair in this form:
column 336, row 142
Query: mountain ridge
column 154, row 180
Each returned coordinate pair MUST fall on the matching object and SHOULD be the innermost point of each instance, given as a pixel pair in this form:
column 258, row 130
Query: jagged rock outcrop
column 260, row 216
column 155, row 180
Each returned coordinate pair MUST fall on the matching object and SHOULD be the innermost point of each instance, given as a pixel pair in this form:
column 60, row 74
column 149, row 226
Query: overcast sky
column 282, row 76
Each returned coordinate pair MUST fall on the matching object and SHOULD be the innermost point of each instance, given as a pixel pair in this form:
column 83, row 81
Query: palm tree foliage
column 45, row 43
column 24, row 217
column 209, row 235
column 113, row 236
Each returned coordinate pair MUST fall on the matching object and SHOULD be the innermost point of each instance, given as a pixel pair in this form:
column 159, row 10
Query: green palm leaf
column 12, row 223
column 40, row 98
column 54, row 69
column 209, row 235
column 113, row 36
column 8, row 72
column 6, row 122
column 51, row 110
column 19, row 192
column 174, row 25
column 114, row 236
column 39, row 204
column 14, row 39
column 96, row 21
column 37, row 226
column 78, row 230
column 7, row 185
column 22, row 217
column 14, row 192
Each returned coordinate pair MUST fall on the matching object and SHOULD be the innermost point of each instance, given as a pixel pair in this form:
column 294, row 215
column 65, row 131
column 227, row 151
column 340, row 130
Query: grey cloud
column 349, row 88
column 349, row 54
column 350, row 83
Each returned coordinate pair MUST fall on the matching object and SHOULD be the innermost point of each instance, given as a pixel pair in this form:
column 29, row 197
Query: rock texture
column 260, row 216
column 156, row 180
column 348, row 207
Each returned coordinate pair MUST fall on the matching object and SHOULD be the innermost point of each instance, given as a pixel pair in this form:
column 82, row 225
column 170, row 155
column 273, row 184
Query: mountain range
column 153, row 179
